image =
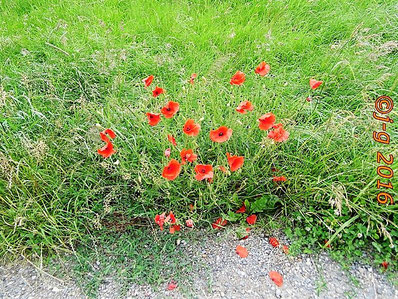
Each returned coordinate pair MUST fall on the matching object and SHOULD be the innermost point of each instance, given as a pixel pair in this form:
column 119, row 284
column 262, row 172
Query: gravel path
column 221, row 273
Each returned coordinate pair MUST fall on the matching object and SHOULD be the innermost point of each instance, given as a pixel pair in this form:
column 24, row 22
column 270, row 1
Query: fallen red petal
column 251, row 219
column 276, row 278
column 274, row 242
column 242, row 251
column 172, row 285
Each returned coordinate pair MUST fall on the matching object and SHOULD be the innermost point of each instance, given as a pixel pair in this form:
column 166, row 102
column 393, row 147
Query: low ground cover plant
column 113, row 119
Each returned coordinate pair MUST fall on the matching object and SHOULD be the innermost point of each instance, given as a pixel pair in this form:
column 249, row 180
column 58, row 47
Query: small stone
column 242, row 273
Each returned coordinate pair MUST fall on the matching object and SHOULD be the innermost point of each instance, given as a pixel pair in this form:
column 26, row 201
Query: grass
column 70, row 69
column 128, row 257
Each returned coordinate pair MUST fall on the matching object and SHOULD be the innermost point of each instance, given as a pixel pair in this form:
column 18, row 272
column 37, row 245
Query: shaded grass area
column 70, row 69
column 126, row 259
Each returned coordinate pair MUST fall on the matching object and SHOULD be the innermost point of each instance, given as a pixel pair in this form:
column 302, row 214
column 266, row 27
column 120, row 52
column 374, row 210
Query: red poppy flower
column 171, row 218
column 172, row 139
column 244, row 107
column 242, row 251
column 171, row 170
column 110, row 133
column 309, row 99
column 385, row 265
column 172, row 285
column 273, row 169
column 251, row 219
column 235, row 162
column 174, row 228
column 326, row 242
column 278, row 134
column 170, row 109
column 274, row 242
column 167, row 152
column 157, row 91
column 107, row 150
column 222, row 134
column 262, row 69
column 279, row 179
column 222, row 168
column 148, row 80
column 187, row 156
column 189, row 223
column 160, row 220
column 219, row 223
column 238, row 78
column 193, row 77
column 266, row 121
column 247, row 236
column 242, row 209
column 153, row 118
column 191, row 207
column 276, row 278
column 203, row 172
column 314, row 84
column 285, row 249
column 190, row 128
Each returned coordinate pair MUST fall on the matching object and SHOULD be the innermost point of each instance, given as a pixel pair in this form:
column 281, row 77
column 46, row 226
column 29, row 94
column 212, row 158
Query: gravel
column 220, row 273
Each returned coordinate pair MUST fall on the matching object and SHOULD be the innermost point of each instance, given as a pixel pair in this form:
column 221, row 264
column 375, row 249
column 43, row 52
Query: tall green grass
column 72, row 68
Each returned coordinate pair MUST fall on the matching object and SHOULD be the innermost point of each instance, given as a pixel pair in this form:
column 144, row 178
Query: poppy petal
column 157, row 91
column 276, row 278
column 262, row 69
column 191, row 128
column 238, row 78
column 189, row 223
column 171, row 170
column 172, row 139
column 220, row 135
column 314, row 84
column 244, row 107
column 193, row 77
column 235, row 162
column 170, row 109
column 274, row 242
column 242, row 251
column 172, row 285
column 251, row 219
column 241, row 210
column 278, row 134
column 266, row 121
column 148, row 80
column 203, row 172
column 279, row 179
column 219, row 223
column 153, row 118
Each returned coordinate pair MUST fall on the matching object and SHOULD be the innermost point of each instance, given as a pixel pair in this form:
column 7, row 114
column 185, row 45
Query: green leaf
column 232, row 216
column 264, row 203
column 377, row 246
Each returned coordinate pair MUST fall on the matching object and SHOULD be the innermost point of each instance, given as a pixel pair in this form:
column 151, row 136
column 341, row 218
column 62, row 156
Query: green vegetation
column 69, row 69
